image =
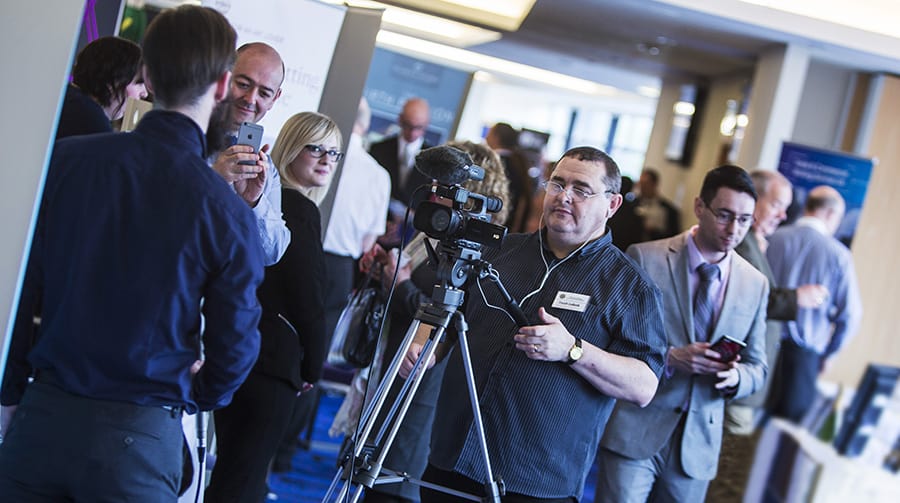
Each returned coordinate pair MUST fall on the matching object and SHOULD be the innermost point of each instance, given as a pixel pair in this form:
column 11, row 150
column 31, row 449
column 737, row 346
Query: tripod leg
column 367, row 475
column 371, row 412
column 395, row 417
column 369, row 470
column 492, row 486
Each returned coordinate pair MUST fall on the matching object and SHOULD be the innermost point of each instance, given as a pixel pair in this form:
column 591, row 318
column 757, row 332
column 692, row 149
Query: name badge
column 571, row 301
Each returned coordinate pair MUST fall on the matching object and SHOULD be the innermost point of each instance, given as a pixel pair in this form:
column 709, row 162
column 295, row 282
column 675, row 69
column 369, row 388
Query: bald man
column 398, row 153
column 807, row 253
column 255, row 87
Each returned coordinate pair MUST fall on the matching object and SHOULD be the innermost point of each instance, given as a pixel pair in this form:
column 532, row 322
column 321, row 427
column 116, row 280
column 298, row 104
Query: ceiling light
column 683, row 108
column 649, row 92
column 474, row 60
column 419, row 25
column 504, row 15
column 868, row 15
column 435, row 28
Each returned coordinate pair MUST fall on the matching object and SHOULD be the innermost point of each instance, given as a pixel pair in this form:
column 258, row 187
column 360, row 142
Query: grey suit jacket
column 640, row 433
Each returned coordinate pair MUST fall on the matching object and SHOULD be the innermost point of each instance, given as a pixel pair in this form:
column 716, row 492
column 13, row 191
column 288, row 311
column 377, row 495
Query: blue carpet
column 312, row 471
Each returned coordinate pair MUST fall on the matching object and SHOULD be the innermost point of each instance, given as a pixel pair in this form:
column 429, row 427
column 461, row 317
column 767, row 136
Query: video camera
column 466, row 221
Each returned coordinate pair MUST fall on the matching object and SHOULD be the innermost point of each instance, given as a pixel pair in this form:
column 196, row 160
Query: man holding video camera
column 594, row 334
column 670, row 449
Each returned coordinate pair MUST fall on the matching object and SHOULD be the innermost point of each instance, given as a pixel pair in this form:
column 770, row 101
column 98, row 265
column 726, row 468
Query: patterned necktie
column 704, row 302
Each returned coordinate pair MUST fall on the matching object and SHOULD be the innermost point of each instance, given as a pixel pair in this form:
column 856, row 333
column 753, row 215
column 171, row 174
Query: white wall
column 820, row 113
column 36, row 51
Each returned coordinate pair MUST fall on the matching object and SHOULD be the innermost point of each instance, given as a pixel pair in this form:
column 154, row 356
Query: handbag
column 359, row 325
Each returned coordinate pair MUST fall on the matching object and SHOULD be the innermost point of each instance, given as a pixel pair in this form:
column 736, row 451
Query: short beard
column 219, row 129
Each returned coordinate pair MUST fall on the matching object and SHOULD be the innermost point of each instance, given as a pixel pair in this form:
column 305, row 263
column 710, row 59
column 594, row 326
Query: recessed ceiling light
column 506, row 15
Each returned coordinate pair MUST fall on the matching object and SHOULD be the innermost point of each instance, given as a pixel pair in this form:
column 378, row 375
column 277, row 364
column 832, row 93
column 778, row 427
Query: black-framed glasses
column 318, row 151
column 578, row 195
column 725, row 217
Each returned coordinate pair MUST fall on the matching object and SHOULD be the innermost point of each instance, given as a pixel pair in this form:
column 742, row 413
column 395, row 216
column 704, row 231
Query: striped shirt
column 543, row 421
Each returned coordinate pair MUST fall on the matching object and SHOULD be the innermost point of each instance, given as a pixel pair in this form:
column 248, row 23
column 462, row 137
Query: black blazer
column 385, row 152
column 292, row 299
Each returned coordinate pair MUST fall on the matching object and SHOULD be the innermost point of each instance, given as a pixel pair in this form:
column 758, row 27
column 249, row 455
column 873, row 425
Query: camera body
column 465, row 220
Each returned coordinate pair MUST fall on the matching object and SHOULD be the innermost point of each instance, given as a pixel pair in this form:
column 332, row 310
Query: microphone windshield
column 448, row 165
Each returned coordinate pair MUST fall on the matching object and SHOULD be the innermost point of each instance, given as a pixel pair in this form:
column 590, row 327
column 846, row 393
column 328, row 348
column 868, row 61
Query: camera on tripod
column 466, row 221
column 461, row 226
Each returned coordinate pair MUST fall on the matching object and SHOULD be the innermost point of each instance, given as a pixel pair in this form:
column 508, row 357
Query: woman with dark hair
column 292, row 327
column 107, row 71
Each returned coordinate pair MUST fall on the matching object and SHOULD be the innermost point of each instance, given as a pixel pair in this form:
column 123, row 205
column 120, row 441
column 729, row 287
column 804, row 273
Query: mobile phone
column 728, row 347
column 250, row 134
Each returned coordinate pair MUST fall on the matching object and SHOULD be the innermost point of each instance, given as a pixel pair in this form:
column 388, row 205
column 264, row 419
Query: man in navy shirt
column 136, row 239
column 595, row 335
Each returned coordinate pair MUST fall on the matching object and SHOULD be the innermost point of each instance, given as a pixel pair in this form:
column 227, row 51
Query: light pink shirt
column 718, row 286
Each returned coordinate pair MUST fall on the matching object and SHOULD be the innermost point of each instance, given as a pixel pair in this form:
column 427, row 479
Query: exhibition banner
column 394, row 78
column 808, row 167
column 304, row 32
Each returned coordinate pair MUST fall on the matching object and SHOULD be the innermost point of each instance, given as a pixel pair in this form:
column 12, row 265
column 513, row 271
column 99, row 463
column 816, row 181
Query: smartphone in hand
column 728, row 347
column 250, row 134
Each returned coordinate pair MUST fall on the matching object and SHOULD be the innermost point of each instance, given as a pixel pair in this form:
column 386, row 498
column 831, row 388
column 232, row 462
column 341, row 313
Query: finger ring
column 534, row 348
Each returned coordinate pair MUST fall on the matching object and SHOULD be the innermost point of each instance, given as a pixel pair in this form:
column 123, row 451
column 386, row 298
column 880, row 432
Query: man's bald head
column 826, row 204
column 414, row 119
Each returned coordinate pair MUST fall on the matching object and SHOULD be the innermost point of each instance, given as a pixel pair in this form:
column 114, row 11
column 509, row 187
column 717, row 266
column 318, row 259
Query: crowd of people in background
column 176, row 271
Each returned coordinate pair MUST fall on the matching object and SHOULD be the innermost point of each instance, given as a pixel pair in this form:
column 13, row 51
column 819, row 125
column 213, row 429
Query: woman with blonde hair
column 292, row 327
column 306, row 152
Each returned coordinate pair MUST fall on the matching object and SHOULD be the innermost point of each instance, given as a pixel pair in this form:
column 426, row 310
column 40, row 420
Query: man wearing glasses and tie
column 669, row 450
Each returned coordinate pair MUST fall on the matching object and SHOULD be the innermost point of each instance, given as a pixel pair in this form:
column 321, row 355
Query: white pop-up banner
column 304, row 32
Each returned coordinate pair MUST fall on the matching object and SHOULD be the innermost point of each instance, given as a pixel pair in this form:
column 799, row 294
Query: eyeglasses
column 725, row 217
column 578, row 195
column 318, row 151
column 412, row 127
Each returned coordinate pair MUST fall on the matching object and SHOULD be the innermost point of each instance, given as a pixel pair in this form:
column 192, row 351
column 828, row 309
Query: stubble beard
column 219, row 129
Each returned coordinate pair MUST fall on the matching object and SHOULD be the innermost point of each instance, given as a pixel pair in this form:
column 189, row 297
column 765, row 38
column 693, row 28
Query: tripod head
column 455, row 262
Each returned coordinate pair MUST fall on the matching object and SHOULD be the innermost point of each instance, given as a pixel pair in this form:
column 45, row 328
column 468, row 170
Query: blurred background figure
column 626, row 226
column 806, row 252
column 361, row 203
column 398, row 153
column 505, row 140
column 661, row 219
column 107, row 72
column 744, row 416
column 294, row 339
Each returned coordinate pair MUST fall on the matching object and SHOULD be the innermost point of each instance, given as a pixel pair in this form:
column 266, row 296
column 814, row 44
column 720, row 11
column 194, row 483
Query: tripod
column 362, row 466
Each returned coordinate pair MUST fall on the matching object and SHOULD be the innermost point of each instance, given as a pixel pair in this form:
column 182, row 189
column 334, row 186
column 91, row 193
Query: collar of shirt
column 355, row 143
column 591, row 247
column 161, row 123
column 409, row 148
column 695, row 258
column 814, row 223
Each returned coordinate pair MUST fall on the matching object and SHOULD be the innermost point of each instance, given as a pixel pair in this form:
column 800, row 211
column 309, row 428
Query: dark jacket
column 292, row 326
